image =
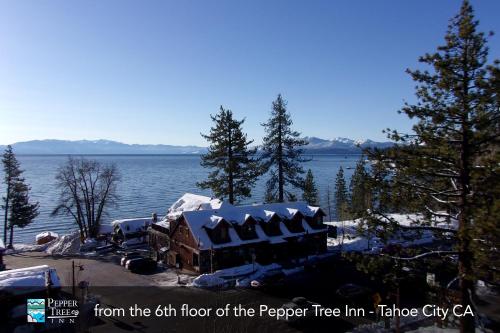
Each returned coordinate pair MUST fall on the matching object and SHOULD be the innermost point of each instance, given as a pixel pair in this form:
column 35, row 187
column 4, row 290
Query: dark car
column 141, row 265
column 129, row 255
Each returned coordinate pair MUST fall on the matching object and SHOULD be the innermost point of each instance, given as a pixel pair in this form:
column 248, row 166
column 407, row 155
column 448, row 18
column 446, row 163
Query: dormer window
column 219, row 232
column 295, row 223
column 246, row 230
column 272, row 227
column 316, row 221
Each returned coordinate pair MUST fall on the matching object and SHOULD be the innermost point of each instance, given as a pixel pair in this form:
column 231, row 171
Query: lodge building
column 216, row 235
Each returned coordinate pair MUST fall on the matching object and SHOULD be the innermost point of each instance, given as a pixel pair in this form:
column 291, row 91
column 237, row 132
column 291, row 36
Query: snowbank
column 209, row 281
column 46, row 234
column 242, row 276
column 67, row 244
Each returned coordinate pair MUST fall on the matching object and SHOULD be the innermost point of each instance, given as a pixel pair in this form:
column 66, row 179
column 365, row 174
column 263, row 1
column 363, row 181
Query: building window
column 195, row 259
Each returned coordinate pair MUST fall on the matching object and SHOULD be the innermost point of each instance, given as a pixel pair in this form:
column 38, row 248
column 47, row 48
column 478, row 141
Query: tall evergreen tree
column 310, row 194
column 12, row 172
column 18, row 210
column 341, row 196
column 360, row 191
column 451, row 160
column 282, row 153
column 22, row 212
column 235, row 168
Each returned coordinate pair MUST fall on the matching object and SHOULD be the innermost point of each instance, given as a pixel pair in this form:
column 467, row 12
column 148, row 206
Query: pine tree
column 19, row 212
column 360, row 191
column 235, row 168
column 22, row 212
column 341, row 196
column 282, row 153
column 451, row 160
column 12, row 172
column 310, row 194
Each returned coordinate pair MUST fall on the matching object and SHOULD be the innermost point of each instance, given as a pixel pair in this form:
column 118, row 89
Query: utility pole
column 73, row 284
column 73, row 277
column 211, row 259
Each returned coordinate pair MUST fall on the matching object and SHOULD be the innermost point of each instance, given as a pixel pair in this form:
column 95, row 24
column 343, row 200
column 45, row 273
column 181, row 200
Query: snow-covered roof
column 163, row 223
column 33, row 278
column 190, row 202
column 354, row 241
column 201, row 220
column 132, row 225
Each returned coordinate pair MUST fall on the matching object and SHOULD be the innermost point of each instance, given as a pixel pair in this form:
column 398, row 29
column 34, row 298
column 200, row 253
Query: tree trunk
column 230, row 168
column 280, row 165
column 467, row 323
column 11, row 240
column 7, row 196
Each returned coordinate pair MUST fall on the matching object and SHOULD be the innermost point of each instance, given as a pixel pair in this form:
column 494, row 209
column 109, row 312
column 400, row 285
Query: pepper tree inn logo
column 57, row 311
column 36, row 310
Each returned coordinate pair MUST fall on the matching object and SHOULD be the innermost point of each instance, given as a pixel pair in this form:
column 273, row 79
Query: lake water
column 150, row 183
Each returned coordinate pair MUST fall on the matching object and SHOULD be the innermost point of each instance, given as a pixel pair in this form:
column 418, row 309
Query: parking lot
column 99, row 271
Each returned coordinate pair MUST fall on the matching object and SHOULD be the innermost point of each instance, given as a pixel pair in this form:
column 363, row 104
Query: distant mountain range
column 341, row 145
column 107, row 147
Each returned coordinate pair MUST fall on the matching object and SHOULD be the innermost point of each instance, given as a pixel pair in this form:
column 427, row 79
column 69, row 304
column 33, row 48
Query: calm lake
column 150, row 183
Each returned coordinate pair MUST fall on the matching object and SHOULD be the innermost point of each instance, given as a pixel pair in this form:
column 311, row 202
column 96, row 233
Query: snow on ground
column 349, row 239
column 64, row 245
column 67, row 244
column 169, row 278
column 242, row 276
column 19, row 248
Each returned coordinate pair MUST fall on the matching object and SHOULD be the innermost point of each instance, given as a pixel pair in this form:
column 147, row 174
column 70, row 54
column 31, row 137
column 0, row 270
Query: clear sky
column 153, row 71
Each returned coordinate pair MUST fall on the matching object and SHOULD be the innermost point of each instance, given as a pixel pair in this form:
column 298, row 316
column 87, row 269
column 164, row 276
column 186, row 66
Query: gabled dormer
column 316, row 221
column 218, row 230
column 294, row 223
column 271, row 226
column 246, row 229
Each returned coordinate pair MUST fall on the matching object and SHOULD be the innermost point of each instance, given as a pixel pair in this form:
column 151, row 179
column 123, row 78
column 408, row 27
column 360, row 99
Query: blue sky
column 153, row 71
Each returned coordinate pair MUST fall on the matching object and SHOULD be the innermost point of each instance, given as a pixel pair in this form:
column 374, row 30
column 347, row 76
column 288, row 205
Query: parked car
column 129, row 255
column 141, row 265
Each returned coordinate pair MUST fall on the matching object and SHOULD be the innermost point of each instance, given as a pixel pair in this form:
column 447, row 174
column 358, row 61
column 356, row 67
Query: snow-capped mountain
column 341, row 145
column 108, row 147
column 46, row 147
